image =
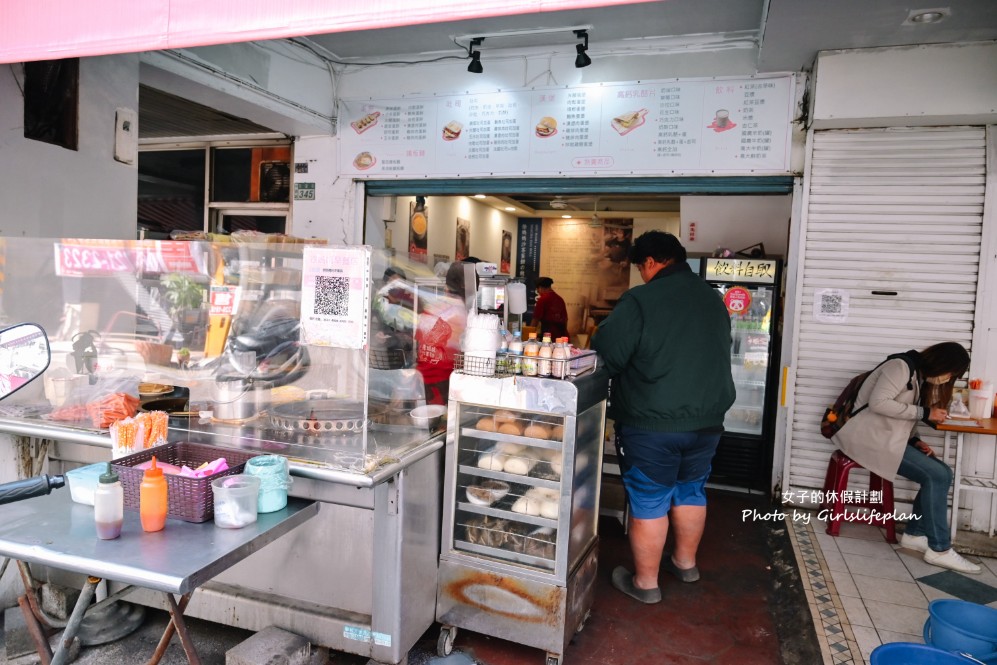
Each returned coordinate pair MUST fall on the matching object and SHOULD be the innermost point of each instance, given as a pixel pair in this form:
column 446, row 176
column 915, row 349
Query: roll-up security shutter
column 893, row 222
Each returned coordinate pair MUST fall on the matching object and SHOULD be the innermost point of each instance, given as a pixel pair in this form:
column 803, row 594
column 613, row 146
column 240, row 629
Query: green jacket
column 666, row 346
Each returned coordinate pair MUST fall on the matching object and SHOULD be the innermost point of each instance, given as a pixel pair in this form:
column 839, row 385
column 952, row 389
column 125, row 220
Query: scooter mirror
column 24, row 355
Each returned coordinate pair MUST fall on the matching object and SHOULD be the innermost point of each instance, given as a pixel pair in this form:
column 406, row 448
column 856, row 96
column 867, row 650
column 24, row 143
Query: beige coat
column 876, row 437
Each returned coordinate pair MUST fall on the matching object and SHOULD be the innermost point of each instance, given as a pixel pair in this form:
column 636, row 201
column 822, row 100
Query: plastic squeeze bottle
column 108, row 505
column 152, row 506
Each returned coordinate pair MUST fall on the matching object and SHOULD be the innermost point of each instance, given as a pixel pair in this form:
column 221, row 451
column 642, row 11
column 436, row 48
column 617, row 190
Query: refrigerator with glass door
column 750, row 289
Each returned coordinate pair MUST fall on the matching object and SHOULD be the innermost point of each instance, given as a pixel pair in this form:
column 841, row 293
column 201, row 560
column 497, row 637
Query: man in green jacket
column 666, row 346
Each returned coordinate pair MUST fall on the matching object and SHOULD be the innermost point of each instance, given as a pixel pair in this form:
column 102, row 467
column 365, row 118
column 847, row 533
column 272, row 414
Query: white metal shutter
column 894, row 217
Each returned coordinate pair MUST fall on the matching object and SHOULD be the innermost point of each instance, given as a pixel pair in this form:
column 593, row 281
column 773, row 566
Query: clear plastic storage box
column 83, row 481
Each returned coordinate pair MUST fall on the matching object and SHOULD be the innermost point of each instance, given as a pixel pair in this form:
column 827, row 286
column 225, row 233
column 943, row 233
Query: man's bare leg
column 688, row 524
column 647, row 541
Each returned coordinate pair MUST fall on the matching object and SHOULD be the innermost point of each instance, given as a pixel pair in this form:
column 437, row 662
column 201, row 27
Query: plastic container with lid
column 275, row 479
column 236, row 500
column 83, row 482
column 152, row 502
column 109, row 505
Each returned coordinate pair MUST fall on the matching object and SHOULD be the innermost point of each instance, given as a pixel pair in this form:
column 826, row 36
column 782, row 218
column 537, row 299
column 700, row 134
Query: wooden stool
column 836, row 482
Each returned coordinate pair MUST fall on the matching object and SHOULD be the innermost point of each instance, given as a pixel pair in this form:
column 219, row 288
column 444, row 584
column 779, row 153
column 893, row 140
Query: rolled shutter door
column 894, row 219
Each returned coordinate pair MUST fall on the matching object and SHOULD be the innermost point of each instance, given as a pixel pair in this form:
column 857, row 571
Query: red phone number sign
column 108, row 257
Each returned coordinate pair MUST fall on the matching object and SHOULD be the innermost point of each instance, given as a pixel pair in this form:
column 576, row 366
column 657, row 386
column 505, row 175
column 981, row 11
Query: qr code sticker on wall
column 332, row 296
column 830, row 305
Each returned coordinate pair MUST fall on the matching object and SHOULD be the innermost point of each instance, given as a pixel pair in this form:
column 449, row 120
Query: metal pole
column 86, row 595
column 35, row 631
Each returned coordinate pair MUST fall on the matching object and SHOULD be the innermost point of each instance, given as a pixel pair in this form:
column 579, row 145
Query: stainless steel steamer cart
column 521, row 501
column 359, row 577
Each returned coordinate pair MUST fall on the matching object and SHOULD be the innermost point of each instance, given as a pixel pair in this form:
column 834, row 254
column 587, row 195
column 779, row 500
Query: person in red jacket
column 550, row 314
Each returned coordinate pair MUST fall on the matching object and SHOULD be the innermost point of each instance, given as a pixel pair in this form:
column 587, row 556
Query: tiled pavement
column 864, row 592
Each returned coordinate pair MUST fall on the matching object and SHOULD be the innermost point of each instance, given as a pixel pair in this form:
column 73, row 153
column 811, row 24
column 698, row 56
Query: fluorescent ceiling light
column 566, row 216
column 510, row 209
column 479, row 196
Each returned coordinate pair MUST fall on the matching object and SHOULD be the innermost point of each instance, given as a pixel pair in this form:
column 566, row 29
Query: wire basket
column 481, row 366
column 387, row 359
column 188, row 499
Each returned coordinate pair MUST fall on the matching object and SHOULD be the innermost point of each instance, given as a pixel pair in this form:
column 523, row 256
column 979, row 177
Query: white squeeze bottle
column 560, row 354
column 108, row 505
column 531, row 349
column 545, row 354
column 516, row 352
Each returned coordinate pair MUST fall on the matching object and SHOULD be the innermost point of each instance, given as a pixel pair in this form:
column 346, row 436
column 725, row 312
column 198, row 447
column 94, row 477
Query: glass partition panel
column 297, row 348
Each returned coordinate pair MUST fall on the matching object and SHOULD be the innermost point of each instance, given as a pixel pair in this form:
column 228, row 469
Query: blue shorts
column 664, row 469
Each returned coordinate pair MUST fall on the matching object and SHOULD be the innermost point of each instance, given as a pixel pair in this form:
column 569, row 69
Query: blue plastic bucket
column 908, row 653
column 964, row 627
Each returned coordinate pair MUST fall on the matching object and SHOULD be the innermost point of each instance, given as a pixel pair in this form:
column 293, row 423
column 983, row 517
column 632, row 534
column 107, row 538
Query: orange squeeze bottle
column 152, row 506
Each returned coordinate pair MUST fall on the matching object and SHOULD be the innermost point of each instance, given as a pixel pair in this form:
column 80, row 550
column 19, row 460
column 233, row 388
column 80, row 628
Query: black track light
column 582, row 59
column 475, row 65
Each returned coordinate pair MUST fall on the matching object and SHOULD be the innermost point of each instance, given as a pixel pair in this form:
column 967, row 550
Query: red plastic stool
column 836, row 482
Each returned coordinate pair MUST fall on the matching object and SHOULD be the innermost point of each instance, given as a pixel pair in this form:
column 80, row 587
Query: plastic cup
column 236, row 499
column 980, row 403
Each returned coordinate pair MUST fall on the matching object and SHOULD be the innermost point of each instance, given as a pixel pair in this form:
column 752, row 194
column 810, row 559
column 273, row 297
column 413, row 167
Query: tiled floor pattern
column 864, row 592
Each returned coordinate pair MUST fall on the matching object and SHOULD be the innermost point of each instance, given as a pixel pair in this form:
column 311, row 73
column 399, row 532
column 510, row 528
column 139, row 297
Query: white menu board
column 644, row 127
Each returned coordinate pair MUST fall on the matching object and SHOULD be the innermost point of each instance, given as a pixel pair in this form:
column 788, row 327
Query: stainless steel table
column 54, row 531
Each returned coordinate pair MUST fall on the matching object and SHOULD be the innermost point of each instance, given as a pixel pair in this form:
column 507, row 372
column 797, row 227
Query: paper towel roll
column 516, row 297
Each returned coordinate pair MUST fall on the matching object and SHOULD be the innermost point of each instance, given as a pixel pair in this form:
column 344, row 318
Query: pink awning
column 54, row 29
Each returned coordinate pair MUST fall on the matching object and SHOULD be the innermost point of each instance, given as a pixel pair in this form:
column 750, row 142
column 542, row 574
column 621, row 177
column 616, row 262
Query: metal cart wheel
column 444, row 645
column 581, row 624
column 553, row 659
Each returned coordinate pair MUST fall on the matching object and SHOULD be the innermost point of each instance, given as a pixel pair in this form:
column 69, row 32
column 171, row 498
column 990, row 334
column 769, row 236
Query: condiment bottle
column 516, row 352
column 560, row 354
column 531, row 349
column 108, row 505
column 545, row 354
column 152, row 504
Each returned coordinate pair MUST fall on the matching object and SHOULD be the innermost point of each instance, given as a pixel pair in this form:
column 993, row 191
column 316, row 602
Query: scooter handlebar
column 30, row 487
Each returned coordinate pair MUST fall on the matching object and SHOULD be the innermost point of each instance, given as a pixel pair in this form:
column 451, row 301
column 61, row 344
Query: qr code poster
column 830, row 305
column 335, row 296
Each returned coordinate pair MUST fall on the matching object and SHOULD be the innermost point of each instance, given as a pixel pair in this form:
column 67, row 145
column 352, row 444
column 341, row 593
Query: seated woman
column 881, row 438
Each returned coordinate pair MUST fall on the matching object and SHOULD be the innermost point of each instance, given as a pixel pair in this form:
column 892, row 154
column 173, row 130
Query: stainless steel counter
column 359, row 578
column 54, row 531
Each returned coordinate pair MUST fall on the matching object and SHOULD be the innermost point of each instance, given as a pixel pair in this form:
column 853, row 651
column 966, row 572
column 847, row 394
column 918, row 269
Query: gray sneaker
column 952, row 560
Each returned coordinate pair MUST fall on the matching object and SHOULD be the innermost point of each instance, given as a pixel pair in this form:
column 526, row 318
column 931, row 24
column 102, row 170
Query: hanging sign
column 755, row 271
column 710, row 126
